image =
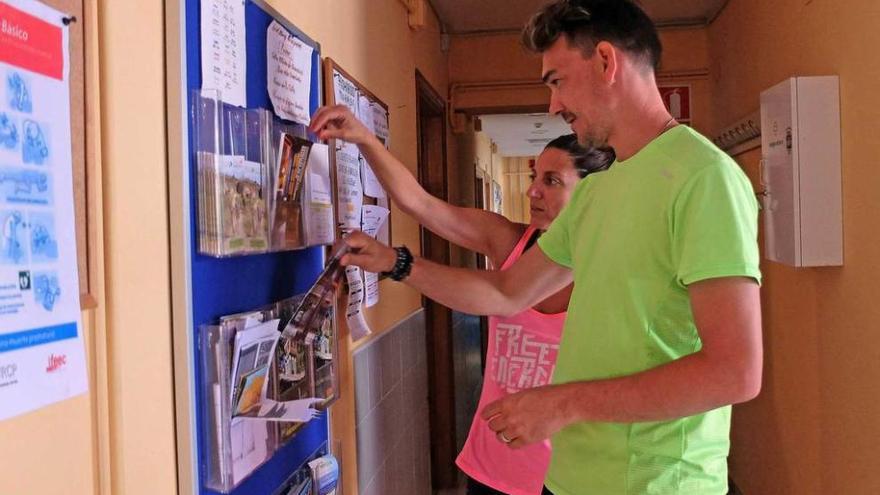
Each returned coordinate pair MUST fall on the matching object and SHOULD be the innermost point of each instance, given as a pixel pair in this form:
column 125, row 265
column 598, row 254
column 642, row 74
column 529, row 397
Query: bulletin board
column 205, row 287
column 333, row 74
column 83, row 154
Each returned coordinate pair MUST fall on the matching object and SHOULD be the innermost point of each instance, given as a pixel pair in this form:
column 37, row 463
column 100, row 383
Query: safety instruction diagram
column 41, row 343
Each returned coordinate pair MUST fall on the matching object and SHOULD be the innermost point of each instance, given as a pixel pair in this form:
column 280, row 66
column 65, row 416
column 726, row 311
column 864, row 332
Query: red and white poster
column 42, row 356
column 677, row 99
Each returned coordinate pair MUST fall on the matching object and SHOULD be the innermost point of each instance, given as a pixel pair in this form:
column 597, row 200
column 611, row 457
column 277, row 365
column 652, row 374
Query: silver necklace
column 668, row 125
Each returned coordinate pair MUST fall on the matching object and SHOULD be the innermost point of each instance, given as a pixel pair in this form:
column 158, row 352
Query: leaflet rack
column 257, row 187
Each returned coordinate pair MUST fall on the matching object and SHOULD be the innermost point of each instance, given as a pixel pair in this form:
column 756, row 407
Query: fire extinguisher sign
column 677, row 99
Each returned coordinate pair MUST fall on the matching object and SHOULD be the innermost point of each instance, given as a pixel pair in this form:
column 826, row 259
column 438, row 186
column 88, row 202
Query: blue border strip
column 37, row 336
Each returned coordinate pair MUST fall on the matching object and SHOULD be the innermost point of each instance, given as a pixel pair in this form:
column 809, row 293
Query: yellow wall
column 814, row 428
column 494, row 73
column 501, row 57
column 138, row 295
column 494, row 70
column 686, row 61
column 37, row 441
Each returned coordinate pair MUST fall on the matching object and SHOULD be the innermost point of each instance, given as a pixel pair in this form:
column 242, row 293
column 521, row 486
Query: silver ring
column 503, row 437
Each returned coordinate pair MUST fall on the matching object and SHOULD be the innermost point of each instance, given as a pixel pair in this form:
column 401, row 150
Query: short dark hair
column 586, row 160
column 587, row 22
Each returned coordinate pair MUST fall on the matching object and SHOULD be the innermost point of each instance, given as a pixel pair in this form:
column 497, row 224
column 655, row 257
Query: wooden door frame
column 482, row 264
column 431, row 110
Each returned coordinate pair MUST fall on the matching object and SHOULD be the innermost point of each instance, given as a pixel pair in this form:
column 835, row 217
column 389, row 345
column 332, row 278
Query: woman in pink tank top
column 522, row 348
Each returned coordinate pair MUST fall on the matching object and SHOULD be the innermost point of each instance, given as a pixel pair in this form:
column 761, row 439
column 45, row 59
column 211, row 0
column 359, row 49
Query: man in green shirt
column 664, row 325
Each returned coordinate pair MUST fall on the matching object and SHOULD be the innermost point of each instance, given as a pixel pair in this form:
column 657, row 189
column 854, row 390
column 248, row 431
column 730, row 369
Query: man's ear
column 608, row 56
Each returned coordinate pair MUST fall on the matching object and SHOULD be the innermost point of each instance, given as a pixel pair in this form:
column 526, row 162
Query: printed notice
column 289, row 74
column 354, row 310
column 345, row 91
column 42, row 357
column 372, row 187
column 384, row 234
column 223, row 49
column 380, row 124
column 348, row 185
column 371, row 289
column 319, row 212
column 373, row 219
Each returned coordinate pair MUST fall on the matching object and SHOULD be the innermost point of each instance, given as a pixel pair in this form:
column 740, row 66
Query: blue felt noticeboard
column 221, row 286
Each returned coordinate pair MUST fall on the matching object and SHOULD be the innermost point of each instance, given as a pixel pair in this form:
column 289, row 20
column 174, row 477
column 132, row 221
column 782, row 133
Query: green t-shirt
column 636, row 235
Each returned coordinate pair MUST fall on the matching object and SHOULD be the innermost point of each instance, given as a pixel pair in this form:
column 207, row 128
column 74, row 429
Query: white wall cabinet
column 800, row 143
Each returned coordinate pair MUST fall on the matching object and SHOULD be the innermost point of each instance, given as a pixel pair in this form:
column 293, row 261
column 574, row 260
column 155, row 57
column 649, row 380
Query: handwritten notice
column 223, row 50
column 289, row 74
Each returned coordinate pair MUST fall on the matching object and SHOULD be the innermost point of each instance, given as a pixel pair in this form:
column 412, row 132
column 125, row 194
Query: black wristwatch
column 402, row 266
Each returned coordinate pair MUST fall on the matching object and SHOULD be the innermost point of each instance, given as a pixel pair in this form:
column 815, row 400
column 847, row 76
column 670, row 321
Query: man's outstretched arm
column 530, row 280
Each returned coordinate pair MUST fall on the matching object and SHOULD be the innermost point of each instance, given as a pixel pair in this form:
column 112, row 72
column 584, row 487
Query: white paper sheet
column 299, row 410
column 348, row 185
column 380, row 124
column 289, row 74
column 318, row 220
column 223, row 49
column 325, row 472
column 365, row 112
column 373, row 219
column 354, row 311
column 252, row 355
column 372, row 187
column 249, row 446
column 384, row 234
column 345, row 91
column 371, row 289
column 42, row 357
column 248, row 439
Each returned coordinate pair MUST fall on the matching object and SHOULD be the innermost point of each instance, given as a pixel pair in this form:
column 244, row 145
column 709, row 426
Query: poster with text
column 42, row 358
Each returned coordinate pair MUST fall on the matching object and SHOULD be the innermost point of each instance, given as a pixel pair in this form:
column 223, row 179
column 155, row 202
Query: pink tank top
column 521, row 354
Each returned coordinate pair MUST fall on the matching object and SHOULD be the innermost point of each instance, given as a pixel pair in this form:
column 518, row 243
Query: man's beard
column 593, row 138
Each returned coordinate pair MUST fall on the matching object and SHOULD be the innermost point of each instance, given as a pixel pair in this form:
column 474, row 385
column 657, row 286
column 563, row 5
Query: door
column 482, row 264
column 431, row 121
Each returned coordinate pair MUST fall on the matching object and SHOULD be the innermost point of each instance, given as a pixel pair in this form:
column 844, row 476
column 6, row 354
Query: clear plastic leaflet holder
column 311, row 372
column 231, row 175
column 291, row 380
column 307, row 363
column 303, row 481
column 236, row 153
column 223, row 467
